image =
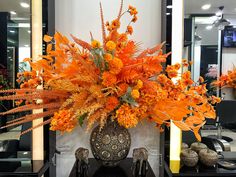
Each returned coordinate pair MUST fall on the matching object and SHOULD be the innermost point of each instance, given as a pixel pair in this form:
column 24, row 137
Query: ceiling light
column 24, row 4
column 24, row 25
column 209, row 27
column 29, row 31
column 169, row 7
column 26, row 45
column 12, row 31
column 167, row 13
column 13, row 12
column 206, row 6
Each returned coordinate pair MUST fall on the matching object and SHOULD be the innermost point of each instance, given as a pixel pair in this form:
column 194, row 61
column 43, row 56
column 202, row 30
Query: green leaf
column 81, row 119
column 128, row 98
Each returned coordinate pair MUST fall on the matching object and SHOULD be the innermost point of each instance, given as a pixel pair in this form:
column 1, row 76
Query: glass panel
column 14, row 47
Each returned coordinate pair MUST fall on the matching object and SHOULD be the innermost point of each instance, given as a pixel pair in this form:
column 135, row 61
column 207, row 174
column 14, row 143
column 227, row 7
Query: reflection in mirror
column 14, row 47
column 210, row 41
column 205, row 51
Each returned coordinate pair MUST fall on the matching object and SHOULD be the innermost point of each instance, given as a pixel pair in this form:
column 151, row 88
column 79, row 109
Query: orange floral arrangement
column 90, row 82
column 227, row 80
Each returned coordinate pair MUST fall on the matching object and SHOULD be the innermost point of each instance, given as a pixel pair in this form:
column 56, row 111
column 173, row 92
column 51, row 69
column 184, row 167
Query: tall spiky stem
column 103, row 25
column 121, row 8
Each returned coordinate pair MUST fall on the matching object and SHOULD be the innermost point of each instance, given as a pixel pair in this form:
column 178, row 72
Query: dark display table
column 23, row 168
column 122, row 170
column 201, row 171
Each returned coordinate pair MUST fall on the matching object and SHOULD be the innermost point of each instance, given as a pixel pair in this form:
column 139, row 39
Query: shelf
column 22, row 167
column 200, row 171
column 124, row 169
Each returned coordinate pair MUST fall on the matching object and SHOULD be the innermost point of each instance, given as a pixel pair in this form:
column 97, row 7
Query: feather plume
column 37, row 126
column 31, row 107
column 82, row 43
column 29, row 118
column 103, row 25
column 121, row 8
column 151, row 51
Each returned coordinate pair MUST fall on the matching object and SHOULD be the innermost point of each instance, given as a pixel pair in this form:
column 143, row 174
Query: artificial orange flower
column 126, row 117
column 110, row 45
column 64, row 121
column 130, row 30
column 115, row 24
column 123, row 37
column 201, row 79
column 122, row 89
column 162, row 79
column 47, row 38
column 96, row 44
column 135, row 94
column 139, row 84
column 112, row 103
column 134, row 19
column 115, row 65
column 177, row 66
column 108, row 79
column 172, row 74
column 108, row 57
column 132, row 10
column 185, row 62
column 215, row 99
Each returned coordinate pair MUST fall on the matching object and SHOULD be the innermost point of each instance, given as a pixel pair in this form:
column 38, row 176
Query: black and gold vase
column 111, row 144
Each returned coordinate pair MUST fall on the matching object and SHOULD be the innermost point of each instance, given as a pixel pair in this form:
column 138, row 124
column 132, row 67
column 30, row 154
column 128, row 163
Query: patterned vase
column 111, row 144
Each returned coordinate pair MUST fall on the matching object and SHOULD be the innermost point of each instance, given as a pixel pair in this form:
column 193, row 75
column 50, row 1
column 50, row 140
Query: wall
column 79, row 17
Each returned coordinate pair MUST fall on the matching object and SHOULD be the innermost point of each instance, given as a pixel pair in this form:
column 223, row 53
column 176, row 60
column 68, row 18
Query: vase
column 197, row 146
column 111, row 144
column 189, row 157
column 208, row 157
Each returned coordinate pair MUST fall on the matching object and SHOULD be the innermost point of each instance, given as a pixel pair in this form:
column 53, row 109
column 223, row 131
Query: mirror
column 209, row 40
column 15, row 29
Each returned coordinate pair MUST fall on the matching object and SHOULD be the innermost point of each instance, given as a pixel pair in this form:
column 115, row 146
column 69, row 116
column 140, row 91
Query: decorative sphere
column 197, row 146
column 111, row 144
column 208, row 157
column 184, row 146
column 189, row 157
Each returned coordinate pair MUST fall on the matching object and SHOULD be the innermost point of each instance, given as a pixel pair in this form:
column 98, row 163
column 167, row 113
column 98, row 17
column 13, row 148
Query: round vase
column 111, row 144
column 208, row 157
column 189, row 157
column 197, row 146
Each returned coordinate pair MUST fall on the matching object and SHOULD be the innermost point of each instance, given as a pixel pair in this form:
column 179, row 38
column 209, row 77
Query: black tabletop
column 202, row 171
column 23, row 168
column 95, row 169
